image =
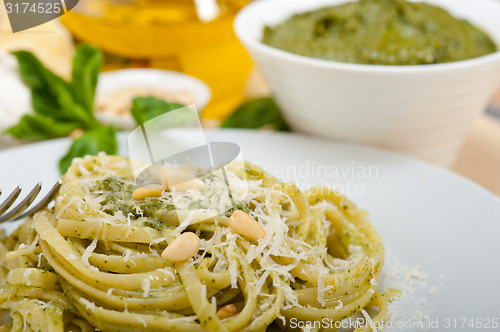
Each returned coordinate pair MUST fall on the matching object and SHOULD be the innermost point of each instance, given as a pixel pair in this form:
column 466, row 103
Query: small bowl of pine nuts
column 117, row 89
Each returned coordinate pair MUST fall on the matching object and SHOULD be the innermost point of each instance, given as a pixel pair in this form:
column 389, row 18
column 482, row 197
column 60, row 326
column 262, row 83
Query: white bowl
column 158, row 79
column 421, row 110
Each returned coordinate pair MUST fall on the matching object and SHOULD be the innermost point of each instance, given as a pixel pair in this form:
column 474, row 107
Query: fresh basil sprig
column 257, row 113
column 69, row 105
column 61, row 106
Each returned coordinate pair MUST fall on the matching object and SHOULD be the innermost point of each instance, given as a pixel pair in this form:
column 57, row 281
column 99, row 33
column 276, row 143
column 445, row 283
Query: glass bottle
column 179, row 35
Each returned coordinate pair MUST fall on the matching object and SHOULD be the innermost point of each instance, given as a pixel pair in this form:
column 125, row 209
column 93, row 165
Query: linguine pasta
column 93, row 261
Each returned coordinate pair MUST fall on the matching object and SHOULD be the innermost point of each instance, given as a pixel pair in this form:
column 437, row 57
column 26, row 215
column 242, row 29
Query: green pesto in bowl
column 382, row 32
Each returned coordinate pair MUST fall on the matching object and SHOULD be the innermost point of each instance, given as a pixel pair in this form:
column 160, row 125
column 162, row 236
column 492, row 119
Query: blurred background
column 194, row 37
column 190, row 36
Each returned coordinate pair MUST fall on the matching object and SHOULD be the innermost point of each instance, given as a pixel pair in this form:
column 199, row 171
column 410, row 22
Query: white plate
column 430, row 219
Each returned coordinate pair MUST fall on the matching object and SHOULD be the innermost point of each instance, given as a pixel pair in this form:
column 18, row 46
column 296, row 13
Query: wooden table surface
column 479, row 158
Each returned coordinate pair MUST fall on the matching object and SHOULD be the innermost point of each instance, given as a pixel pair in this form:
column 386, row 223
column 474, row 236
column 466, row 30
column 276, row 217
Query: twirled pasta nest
column 93, row 261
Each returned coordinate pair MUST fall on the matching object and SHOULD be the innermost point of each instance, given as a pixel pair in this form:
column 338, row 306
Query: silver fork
column 19, row 211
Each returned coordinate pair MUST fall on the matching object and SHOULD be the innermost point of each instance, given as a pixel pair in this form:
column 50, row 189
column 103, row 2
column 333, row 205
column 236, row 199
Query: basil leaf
column 32, row 71
column 97, row 140
column 147, row 108
column 61, row 107
column 257, row 113
column 69, row 106
column 45, row 104
column 87, row 64
column 51, row 95
column 37, row 127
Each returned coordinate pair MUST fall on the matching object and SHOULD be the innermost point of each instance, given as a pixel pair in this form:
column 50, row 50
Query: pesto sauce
column 118, row 193
column 384, row 32
column 238, row 206
column 119, row 198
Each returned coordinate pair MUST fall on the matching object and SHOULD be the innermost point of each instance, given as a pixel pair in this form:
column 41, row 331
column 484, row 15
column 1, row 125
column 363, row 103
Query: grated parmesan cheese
column 88, row 305
column 26, row 276
column 88, row 251
column 141, row 320
column 369, row 320
column 146, row 287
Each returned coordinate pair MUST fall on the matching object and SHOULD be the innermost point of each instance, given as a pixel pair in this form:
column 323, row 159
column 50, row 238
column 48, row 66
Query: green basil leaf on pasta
column 102, row 139
column 257, row 113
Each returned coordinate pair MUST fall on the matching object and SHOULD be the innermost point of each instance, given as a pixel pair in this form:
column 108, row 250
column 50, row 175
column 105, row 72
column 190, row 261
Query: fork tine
column 10, row 200
column 43, row 202
column 24, row 203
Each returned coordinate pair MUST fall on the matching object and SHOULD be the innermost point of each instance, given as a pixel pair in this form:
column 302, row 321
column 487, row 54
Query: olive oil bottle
column 173, row 35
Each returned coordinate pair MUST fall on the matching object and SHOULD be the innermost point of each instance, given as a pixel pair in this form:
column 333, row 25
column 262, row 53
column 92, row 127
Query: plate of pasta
column 306, row 234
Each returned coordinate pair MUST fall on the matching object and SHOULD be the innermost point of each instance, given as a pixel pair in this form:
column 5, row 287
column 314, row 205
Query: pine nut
column 191, row 184
column 181, row 180
column 246, row 226
column 151, row 190
column 182, row 248
column 227, row 311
